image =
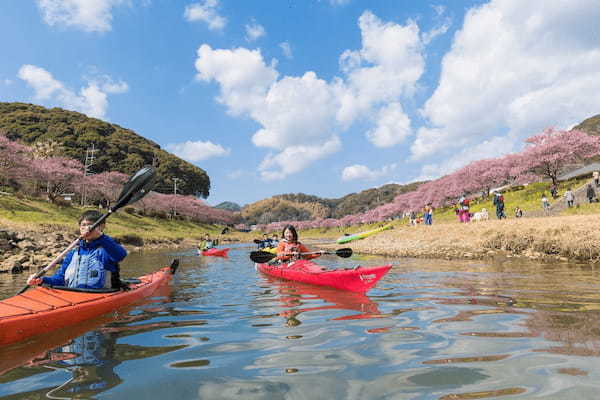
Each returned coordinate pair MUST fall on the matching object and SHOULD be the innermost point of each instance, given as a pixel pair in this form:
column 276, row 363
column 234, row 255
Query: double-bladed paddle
column 262, row 257
column 134, row 189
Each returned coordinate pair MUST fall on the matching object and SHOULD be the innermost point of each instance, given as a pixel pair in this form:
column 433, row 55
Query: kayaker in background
column 93, row 264
column 265, row 242
column 275, row 240
column 206, row 243
column 289, row 248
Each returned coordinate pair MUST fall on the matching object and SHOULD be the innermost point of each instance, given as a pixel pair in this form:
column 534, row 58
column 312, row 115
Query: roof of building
column 588, row 169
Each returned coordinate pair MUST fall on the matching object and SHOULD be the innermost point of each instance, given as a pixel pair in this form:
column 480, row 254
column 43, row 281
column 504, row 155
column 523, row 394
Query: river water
column 428, row 330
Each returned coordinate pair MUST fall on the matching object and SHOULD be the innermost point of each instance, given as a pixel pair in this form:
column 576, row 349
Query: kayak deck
column 359, row 279
column 44, row 309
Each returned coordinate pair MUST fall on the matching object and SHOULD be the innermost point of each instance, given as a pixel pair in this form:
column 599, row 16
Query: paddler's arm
column 304, row 249
column 58, row 279
column 114, row 250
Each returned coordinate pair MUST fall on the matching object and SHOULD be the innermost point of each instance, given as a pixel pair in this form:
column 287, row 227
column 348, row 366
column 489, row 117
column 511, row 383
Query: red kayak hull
column 359, row 279
column 215, row 252
column 42, row 309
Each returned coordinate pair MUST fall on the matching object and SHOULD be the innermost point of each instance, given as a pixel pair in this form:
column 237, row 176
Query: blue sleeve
column 115, row 251
column 58, row 279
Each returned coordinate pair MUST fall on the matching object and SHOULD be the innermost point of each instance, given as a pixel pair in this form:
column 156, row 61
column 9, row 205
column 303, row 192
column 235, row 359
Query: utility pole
column 89, row 161
column 175, row 193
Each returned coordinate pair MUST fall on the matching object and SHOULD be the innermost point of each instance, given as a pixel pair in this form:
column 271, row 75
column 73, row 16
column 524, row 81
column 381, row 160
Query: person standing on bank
column 94, row 264
column 569, row 197
column 499, row 203
column 591, row 193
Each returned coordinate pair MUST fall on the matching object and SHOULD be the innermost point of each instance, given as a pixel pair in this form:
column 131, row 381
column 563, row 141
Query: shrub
column 130, row 238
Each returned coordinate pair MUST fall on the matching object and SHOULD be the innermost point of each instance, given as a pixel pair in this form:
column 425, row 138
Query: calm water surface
column 429, row 330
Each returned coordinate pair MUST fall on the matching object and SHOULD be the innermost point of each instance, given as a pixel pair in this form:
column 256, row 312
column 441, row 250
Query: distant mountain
column 229, row 206
column 300, row 206
column 590, row 125
column 116, row 148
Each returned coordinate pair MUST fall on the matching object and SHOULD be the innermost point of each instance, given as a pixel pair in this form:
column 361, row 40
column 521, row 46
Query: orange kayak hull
column 42, row 309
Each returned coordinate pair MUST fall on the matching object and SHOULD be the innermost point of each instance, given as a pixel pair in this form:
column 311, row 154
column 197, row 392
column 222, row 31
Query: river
column 428, row 330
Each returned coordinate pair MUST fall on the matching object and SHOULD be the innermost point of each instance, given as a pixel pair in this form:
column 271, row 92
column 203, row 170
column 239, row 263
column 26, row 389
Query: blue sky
column 321, row 97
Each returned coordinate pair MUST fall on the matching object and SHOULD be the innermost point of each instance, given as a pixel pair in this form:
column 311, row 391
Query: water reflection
column 429, row 330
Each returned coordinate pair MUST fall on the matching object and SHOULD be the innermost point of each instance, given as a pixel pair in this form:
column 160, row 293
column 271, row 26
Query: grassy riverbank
column 23, row 214
column 564, row 238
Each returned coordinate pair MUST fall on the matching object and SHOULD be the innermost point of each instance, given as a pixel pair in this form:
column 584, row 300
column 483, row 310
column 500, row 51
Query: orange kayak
column 215, row 252
column 45, row 309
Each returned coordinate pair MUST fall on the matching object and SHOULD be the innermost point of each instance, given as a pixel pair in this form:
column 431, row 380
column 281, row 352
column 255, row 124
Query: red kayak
column 359, row 279
column 45, row 309
column 215, row 252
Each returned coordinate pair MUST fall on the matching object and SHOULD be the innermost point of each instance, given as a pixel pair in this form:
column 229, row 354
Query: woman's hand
column 33, row 281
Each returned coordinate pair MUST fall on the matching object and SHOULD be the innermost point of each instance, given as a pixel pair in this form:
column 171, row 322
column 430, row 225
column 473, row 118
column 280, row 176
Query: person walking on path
column 569, row 197
column 591, row 193
column 413, row 218
column 596, row 176
column 554, row 191
column 499, row 203
column 545, row 204
column 463, row 209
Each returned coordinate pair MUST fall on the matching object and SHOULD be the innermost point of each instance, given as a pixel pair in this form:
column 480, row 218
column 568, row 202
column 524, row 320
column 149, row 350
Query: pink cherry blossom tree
column 549, row 152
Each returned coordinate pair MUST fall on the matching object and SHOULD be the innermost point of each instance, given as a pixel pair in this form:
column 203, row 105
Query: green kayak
column 362, row 235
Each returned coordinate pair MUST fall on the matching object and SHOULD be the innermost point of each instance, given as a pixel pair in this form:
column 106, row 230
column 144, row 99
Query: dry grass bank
column 566, row 238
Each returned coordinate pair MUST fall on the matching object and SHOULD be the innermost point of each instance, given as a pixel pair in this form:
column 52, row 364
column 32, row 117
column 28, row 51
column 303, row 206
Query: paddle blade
column 344, row 253
column 257, row 241
column 139, row 185
column 262, row 257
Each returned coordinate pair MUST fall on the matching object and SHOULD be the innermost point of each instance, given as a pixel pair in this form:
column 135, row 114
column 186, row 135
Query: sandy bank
column 572, row 238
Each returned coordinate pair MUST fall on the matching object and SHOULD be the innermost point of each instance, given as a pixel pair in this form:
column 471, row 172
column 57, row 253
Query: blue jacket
column 102, row 254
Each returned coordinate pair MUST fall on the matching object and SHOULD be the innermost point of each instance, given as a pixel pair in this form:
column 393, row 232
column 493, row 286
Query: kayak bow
column 45, row 309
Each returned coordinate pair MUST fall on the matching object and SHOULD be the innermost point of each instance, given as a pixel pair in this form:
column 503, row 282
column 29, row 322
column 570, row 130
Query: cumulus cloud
column 91, row 100
column 287, row 50
column 294, row 159
column 88, row 15
column 254, row 31
column 392, row 126
column 197, row 151
column 303, row 117
column 206, row 12
column 362, row 172
column 514, row 68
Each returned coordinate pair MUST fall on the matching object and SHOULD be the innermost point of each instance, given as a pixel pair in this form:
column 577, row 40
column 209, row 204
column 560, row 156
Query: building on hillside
column 579, row 172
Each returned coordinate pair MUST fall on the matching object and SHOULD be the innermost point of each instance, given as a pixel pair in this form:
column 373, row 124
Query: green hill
column 229, row 206
column 117, row 148
column 300, row 206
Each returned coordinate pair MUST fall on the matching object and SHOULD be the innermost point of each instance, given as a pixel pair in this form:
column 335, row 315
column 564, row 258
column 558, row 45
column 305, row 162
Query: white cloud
column 197, row 151
column 254, row 31
column 362, row 172
column 243, row 76
column 489, row 148
column 514, row 68
column 91, row 100
column 287, row 50
column 88, row 15
column 294, row 159
column 302, row 117
column 339, row 2
column 387, row 66
column 206, row 12
column 392, row 126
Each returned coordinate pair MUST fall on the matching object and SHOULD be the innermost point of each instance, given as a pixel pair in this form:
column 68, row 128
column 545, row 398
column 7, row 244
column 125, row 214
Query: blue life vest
column 87, row 271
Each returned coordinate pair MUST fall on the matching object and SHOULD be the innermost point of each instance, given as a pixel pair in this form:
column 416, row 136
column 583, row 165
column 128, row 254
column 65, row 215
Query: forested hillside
column 71, row 133
column 302, row 207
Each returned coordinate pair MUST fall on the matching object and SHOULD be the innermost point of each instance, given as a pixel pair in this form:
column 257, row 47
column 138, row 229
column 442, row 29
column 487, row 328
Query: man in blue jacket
column 93, row 264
